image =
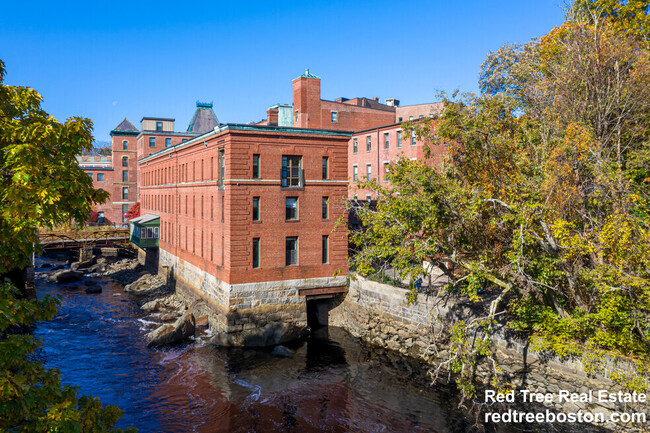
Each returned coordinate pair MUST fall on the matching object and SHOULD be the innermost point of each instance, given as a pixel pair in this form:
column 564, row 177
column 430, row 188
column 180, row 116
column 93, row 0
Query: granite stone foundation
column 378, row 313
column 253, row 314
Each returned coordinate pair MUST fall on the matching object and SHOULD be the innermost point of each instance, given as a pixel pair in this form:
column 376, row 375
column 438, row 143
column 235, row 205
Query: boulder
column 167, row 317
column 172, row 333
column 68, row 276
column 94, row 289
column 201, row 314
column 272, row 334
column 45, row 265
column 101, row 260
column 82, row 264
column 143, row 284
column 99, row 267
column 282, row 351
column 151, row 306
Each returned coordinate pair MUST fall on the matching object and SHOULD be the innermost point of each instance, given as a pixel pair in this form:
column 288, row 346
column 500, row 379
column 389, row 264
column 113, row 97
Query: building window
column 385, row 170
column 325, row 249
column 90, row 174
column 222, row 166
column 325, row 210
column 256, row 208
column 355, row 145
column 368, row 143
column 152, row 141
column 125, row 175
column 326, row 168
column 125, row 145
column 410, row 117
column 291, row 205
column 125, row 161
column 125, row 193
column 296, row 119
column 368, row 198
column 100, row 177
column 369, row 171
column 386, row 140
column 168, row 142
column 256, row 166
column 421, row 116
column 125, row 209
column 291, row 248
column 334, row 116
column 399, row 138
column 256, row 252
column 413, row 138
column 400, row 120
column 159, row 126
column 291, row 171
column 355, row 172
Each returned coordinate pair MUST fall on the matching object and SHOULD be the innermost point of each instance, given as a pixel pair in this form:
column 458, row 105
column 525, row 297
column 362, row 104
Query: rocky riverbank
column 179, row 319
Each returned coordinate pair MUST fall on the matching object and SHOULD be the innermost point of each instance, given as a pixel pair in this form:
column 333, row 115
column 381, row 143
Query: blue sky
column 110, row 60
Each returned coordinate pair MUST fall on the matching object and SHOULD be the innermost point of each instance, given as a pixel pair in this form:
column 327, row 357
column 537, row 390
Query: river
column 333, row 383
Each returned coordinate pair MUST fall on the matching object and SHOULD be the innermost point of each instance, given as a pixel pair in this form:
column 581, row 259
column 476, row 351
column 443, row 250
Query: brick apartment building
column 247, row 220
column 118, row 174
column 371, row 151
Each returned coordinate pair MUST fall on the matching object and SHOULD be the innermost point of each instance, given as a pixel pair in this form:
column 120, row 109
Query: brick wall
column 379, row 156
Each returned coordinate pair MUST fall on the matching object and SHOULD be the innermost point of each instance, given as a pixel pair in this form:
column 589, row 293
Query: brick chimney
column 272, row 116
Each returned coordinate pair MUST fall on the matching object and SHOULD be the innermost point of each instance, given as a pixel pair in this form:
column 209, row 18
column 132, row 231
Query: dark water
column 333, row 383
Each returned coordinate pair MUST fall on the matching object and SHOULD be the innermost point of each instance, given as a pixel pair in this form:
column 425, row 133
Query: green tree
column 41, row 185
column 540, row 212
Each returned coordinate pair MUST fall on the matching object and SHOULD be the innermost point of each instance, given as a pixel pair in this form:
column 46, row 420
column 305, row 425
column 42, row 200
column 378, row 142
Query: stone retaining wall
column 378, row 313
column 253, row 314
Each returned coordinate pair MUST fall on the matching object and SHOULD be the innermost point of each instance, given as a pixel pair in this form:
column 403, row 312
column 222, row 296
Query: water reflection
column 333, row 383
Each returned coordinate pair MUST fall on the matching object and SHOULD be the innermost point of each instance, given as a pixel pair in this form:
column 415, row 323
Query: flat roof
column 145, row 218
column 157, row 118
column 251, row 128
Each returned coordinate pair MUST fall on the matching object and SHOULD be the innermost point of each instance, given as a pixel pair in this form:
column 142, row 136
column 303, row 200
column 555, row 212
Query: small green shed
column 145, row 230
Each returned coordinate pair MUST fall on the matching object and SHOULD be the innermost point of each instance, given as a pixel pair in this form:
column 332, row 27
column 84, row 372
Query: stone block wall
column 245, row 314
column 378, row 313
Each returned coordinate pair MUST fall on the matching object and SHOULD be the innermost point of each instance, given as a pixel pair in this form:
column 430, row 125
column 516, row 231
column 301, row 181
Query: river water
column 333, row 383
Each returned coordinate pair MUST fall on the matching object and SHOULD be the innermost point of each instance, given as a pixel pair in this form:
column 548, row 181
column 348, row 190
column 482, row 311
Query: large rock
column 282, row 351
column 143, row 284
column 202, row 313
column 272, row 334
column 167, row 334
column 94, row 289
column 151, row 306
column 68, row 276
column 82, row 264
column 99, row 267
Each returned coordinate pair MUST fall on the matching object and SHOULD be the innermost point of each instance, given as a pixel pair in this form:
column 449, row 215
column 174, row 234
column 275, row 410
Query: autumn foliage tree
column 540, row 212
column 41, row 185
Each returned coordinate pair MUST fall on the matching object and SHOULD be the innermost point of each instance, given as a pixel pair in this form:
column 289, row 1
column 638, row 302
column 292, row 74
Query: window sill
column 257, row 221
column 292, row 188
column 292, row 221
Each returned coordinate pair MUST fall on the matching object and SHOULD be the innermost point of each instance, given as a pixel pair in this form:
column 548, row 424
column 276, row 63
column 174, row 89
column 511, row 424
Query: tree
column 41, row 184
column 542, row 205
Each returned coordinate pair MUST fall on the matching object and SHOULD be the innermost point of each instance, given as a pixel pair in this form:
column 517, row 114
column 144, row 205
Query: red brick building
column 247, row 220
column 310, row 111
column 118, row 174
column 372, row 151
